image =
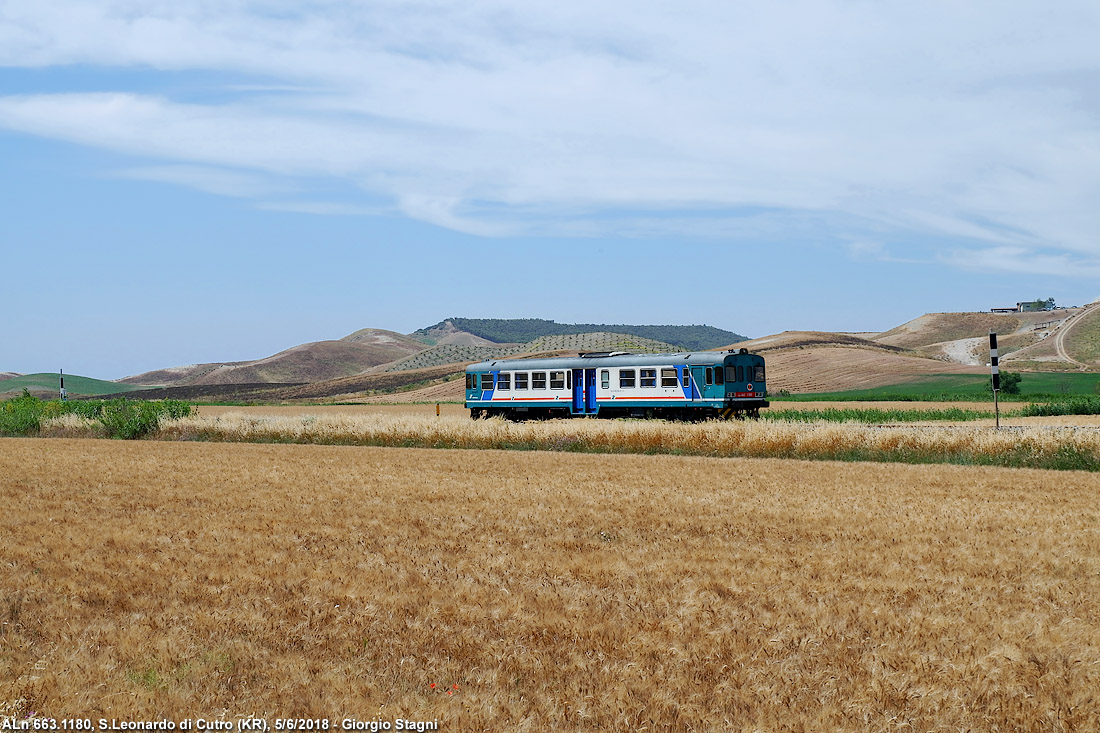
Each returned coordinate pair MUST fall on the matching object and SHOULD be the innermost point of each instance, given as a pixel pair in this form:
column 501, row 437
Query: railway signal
column 996, row 373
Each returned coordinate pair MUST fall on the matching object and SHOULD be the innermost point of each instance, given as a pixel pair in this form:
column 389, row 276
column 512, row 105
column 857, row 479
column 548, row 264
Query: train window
column 504, row 381
column 718, row 375
column 649, row 377
column 668, row 377
column 685, row 378
column 538, row 380
column 569, row 379
column 626, row 377
column 521, row 380
column 731, row 374
column 486, row 381
column 740, row 374
column 468, row 386
column 710, row 375
column 557, row 380
column 759, row 374
column 605, row 379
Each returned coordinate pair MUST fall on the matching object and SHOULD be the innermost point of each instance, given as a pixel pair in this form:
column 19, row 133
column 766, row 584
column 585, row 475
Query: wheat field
column 1025, row 446
column 503, row 590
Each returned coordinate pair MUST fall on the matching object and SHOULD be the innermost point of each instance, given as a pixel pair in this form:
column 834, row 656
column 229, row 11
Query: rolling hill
column 841, row 368
column 455, row 352
column 46, row 384
column 313, row 362
column 823, row 361
column 807, row 339
column 1064, row 339
column 371, row 350
column 526, row 330
column 372, row 363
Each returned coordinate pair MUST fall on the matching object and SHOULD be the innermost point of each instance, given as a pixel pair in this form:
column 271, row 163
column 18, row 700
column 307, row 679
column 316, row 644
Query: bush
column 21, row 415
column 1010, row 382
column 129, row 419
column 122, row 418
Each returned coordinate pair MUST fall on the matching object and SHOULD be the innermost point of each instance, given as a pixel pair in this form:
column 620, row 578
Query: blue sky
column 195, row 181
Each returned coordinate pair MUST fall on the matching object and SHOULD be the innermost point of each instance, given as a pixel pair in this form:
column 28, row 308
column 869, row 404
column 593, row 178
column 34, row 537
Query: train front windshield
column 745, row 373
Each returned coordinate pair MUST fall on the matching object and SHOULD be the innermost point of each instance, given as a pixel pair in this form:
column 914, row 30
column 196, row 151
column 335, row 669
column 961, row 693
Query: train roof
column 615, row 359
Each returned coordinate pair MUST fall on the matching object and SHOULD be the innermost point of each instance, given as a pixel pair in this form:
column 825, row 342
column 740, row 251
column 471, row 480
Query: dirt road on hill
column 1060, row 338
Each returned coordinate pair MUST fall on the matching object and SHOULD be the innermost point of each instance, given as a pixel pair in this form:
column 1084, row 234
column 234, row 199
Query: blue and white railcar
column 685, row 386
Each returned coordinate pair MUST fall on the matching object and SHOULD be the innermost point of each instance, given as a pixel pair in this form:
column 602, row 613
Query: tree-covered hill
column 523, row 330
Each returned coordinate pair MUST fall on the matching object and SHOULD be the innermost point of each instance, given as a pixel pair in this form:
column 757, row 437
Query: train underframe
column 741, row 411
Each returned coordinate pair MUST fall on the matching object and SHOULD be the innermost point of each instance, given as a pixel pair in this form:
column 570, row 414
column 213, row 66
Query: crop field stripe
column 1051, row 448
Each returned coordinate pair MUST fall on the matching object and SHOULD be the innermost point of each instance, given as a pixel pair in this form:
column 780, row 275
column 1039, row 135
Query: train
column 684, row 386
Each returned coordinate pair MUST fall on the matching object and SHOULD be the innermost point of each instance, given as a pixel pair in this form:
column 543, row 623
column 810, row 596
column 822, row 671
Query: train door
column 578, row 391
column 697, row 379
column 590, row 391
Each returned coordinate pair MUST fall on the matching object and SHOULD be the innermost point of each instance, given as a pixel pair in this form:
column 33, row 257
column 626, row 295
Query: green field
column 954, row 387
column 74, row 384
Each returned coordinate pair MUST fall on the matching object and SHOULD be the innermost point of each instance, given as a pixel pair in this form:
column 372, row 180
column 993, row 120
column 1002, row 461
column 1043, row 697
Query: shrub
column 121, row 418
column 1010, row 382
column 21, row 415
column 129, row 419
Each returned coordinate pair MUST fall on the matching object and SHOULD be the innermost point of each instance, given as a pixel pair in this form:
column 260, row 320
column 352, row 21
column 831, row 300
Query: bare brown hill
column 449, row 391
column 839, row 368
column 823, row 361
column 385, row 339
column 439, row 382
column 312, row 362
column 363, row 384
column 937, row 328
column 1056, row 340
column 1072, row 343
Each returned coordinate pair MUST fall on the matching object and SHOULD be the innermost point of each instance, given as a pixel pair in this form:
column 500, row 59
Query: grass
column 883, row 416
column 546, row 591
column 1074, row 406
column 961, row 388
column 74, row 385
column 876, row 416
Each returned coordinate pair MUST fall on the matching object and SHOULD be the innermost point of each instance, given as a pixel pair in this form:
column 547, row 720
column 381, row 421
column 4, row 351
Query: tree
column 1010, row 382
column 1042, row 304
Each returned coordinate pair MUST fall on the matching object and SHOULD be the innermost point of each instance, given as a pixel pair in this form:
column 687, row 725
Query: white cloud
column 978, row 122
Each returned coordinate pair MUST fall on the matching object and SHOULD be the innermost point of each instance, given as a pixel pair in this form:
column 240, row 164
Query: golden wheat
column 143, row 579
column 1025, row 446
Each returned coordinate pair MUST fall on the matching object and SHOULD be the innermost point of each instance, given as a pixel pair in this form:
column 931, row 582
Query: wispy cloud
column 977, row 122
column 323, row 208
column 1022, row 260
column 216, row 181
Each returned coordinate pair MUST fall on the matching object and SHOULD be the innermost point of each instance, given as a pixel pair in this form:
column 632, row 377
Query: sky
column 200, row 180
